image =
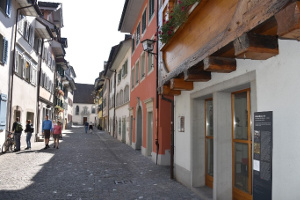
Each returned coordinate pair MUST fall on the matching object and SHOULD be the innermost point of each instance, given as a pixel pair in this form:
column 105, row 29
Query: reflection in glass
column 241, row 166
column 209, row 154
column 209, row 118
column 240, row 116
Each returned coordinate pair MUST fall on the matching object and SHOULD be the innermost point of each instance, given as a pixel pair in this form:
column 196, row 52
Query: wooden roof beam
column 288, row 21
column 181, row 84
column 196, row 74
column 256, row 47
column 166, row 90
column 219, row 64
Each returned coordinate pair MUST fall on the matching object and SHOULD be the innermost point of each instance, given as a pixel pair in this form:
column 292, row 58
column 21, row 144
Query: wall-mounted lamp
column 148, row 46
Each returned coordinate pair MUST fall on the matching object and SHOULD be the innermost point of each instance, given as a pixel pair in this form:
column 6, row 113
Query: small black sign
column 262, row 159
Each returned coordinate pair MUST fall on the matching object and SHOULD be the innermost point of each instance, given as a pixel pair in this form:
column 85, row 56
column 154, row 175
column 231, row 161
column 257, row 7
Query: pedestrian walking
column 47, row 129
column 28, row 130
column 91, row 127
column 56, row 134
column 17, row 130
column 86, row 126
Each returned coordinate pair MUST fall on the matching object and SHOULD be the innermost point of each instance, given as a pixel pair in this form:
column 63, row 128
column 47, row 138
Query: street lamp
column 148, row 46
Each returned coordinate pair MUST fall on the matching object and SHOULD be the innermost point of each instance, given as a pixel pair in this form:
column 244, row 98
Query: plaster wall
column 274, row 87
column 78, row 119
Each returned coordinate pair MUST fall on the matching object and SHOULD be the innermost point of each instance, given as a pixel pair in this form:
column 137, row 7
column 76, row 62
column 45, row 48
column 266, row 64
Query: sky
column 91, row 29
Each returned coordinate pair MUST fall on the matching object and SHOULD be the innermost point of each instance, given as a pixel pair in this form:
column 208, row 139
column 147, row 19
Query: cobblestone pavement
column 86, row 166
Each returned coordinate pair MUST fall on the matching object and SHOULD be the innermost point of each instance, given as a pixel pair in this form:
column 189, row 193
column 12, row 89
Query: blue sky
column 91, row 29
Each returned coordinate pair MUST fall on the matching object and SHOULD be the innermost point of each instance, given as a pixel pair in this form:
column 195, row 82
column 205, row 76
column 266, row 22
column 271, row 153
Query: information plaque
column 262, row 159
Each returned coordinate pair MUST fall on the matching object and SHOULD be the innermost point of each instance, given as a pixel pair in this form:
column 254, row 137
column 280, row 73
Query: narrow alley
column 86, row 166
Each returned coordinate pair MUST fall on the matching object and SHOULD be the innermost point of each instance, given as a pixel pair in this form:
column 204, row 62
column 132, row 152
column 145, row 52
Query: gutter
column 172, row 136
column 156, row 86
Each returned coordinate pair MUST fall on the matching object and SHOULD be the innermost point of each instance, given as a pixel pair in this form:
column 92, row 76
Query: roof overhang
column 57, row 48
column 42, row 29
column 131, row 11
column 60, row 60
column 56, row 9
column 125, row 46
column 29, row 8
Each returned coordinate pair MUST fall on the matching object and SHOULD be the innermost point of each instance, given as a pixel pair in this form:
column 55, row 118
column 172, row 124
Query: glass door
column 241, row 145
column 209, row 143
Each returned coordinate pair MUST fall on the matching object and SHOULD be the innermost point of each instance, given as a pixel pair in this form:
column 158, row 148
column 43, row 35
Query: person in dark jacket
column 28, row 131
column 17, row 134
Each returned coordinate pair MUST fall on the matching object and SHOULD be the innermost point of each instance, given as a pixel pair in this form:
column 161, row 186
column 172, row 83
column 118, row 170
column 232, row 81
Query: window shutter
column 31, row 75
column 17, row 62
column 24, row 68
column 8, row 7
column 5, row 51
column 31, row 35
column 3, row 99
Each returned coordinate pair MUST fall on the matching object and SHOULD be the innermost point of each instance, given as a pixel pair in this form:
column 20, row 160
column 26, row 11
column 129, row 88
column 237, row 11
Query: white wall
column 274, row 87
column 78, row 119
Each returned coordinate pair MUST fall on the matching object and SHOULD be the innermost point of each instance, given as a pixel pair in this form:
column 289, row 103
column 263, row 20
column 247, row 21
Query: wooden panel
column 219, row 64
column 208, row 31
column 288, row 21
column 166, row 90
column 180, row 84
column 256, row 47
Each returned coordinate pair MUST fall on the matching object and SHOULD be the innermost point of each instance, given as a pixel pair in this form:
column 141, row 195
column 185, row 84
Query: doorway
column 131, row 129
column 149, row 133
column 241, row 145
column 84, row 120
column 139, row 130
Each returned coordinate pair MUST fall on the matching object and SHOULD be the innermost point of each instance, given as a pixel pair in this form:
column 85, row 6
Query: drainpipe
column 38, row 92
column 12, row 68
column 172, row 136
column 156, row 86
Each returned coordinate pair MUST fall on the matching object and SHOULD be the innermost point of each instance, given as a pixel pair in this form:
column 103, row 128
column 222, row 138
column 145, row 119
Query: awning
column 33, row 10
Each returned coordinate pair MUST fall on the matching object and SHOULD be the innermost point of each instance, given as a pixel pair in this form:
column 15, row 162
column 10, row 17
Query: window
column 138, row 33
column 133, row 43
column 151, row 8
column 27, row 71
column 93, row 109
column 143, row 65
column 137, row 72
column 5, row 6
column 77, row 110
column 121, row 97
column 3, row 100
column 242, row 143
column 118, row 101
column 126, row 94
column 144, row 21
column 3, row 50
column 132, row 78
column 119, row 76
column 150, row 62
column 209, row 143
column 124, row 68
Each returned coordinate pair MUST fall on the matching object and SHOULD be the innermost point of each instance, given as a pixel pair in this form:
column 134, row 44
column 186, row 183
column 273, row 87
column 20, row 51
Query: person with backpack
column 29, row 131
column 17, row 129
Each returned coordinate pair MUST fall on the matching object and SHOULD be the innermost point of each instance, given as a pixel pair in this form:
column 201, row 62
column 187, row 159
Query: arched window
column 93, row 109
column 126, row 94
column 77, row 110
column 118, row 99
column 121, row 97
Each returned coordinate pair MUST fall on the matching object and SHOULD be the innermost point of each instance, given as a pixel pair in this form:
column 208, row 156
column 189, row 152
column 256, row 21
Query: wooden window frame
column 237, row 193
column 208, row 179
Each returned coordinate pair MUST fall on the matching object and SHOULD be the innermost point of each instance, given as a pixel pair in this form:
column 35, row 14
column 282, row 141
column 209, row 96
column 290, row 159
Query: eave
column 131, row 11
column 57, row 48
column 122, row 51
column 42, row 29
column 251, row 32
column 29, row 8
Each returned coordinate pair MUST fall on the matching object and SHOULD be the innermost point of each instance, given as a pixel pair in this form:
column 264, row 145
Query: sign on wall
column 262, row 159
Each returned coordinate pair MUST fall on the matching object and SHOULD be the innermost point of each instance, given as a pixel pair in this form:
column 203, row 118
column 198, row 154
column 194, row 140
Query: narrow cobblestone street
column 86, row 166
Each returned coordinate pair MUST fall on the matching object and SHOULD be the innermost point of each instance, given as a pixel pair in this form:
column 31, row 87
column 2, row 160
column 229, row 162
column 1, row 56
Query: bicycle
column 9, row 144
